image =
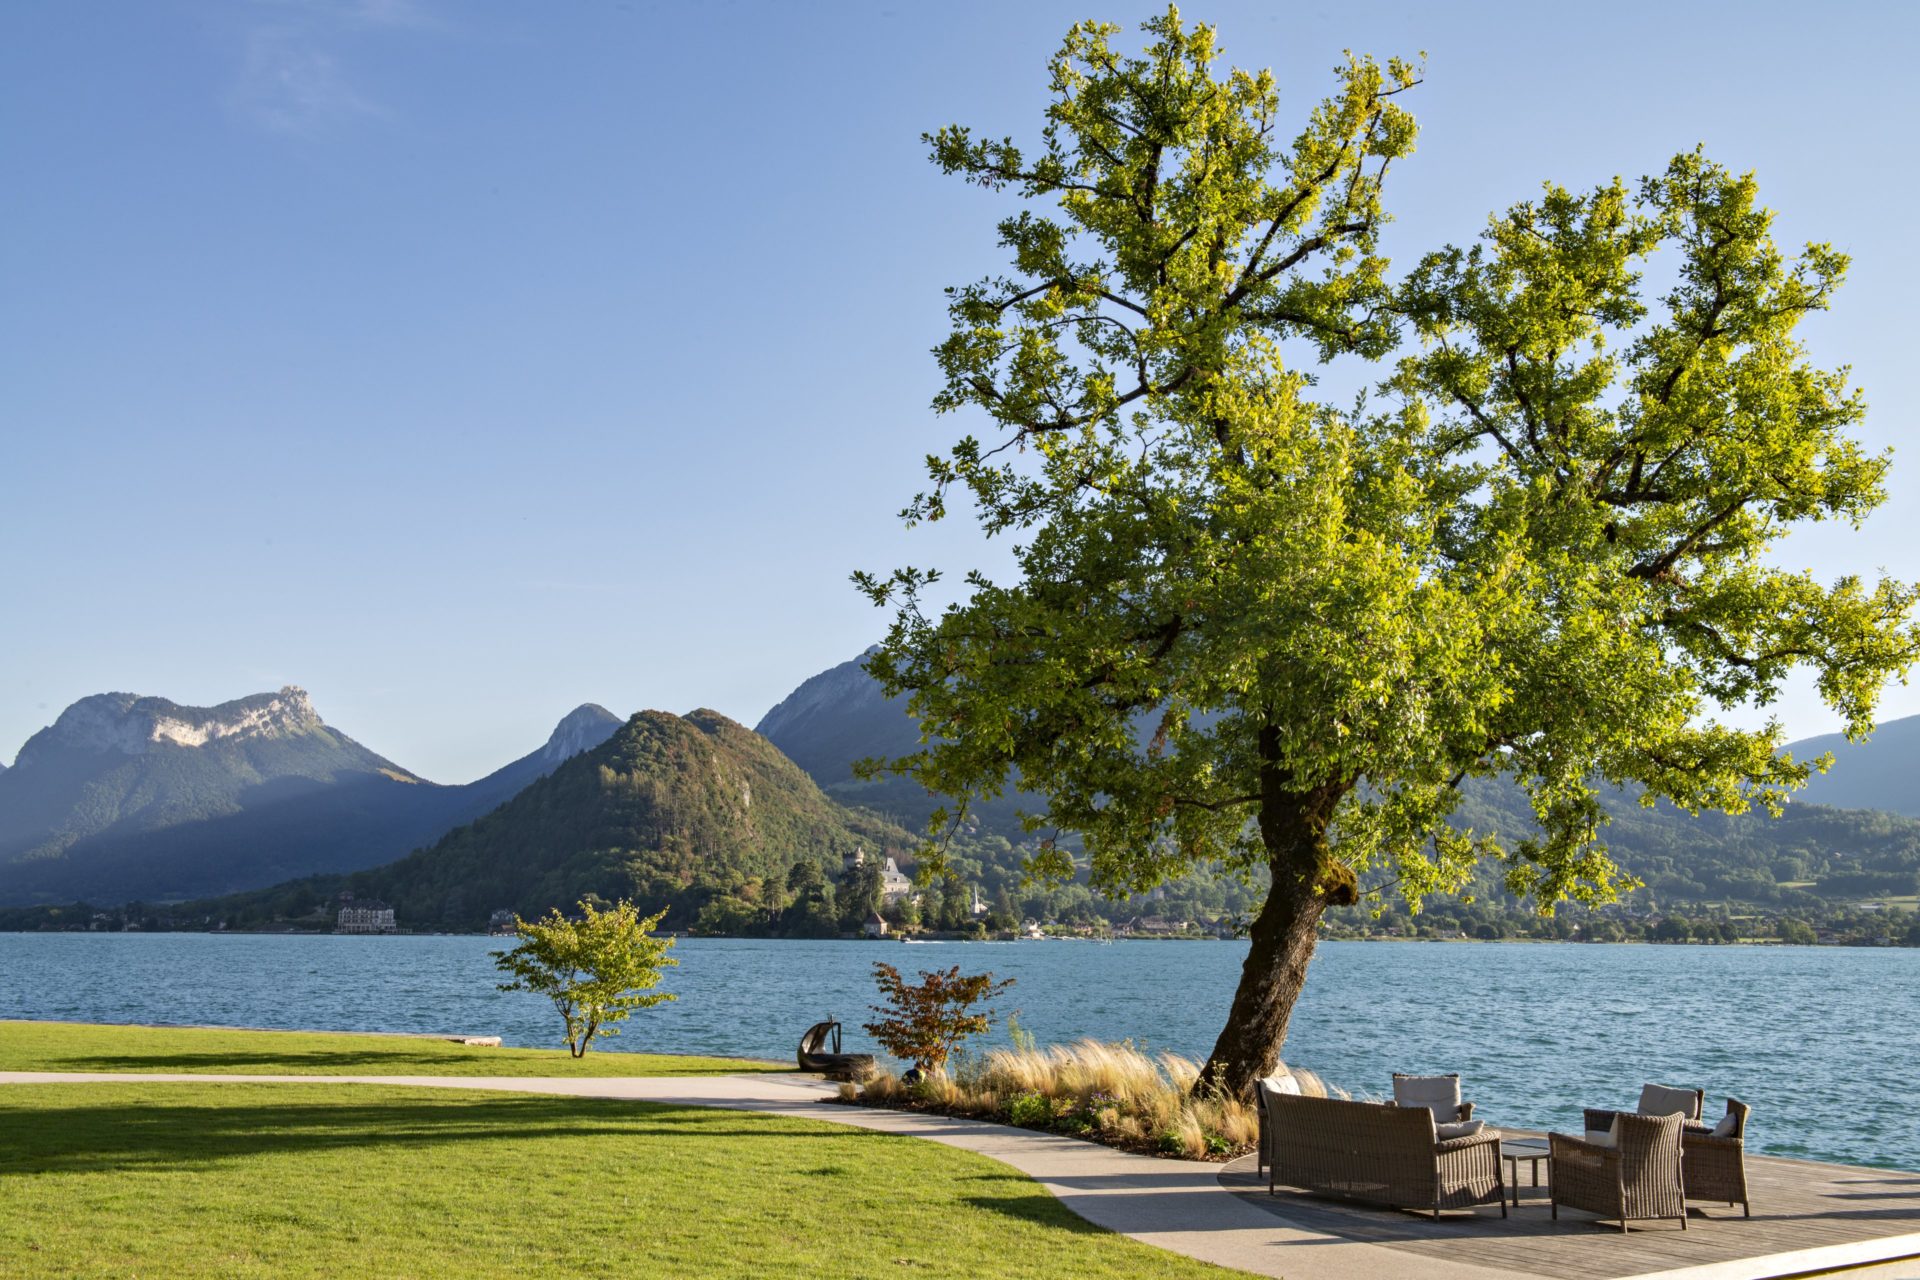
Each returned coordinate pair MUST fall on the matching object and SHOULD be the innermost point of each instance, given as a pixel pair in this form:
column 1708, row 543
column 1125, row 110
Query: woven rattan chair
column 1716, row 1168
column 1382, row 1154
column 1637, row 1177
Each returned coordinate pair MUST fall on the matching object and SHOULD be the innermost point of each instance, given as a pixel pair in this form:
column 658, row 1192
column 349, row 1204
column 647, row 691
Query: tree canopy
column 597, row 968
column 1259, row 628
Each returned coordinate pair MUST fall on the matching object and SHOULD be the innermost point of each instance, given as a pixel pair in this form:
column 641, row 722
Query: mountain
column 668, row 811
column 119, row 762
column 1881, row 773
column 582, row 729
column 841, row 716
column 836, row 718
column 127, row 797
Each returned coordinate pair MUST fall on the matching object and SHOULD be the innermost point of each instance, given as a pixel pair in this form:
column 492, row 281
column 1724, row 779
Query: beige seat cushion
column 1438, row 1094
column 1665, row 1100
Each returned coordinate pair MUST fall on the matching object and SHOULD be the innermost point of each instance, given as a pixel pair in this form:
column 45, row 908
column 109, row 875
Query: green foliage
column 1029, row 1111
column 596, row 969
column 859, row 894
column 1260, row 630
column 922, row 1022
column 1797, row 933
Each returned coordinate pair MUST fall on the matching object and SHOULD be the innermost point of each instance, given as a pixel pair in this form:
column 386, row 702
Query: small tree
column 923, row 1022
column 597, row 970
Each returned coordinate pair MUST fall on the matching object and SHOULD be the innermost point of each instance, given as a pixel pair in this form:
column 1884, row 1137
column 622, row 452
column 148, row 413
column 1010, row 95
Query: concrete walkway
column 1177, row 1205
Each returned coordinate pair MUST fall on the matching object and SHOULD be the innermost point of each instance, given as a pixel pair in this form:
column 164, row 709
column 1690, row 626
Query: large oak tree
column 1259, row 629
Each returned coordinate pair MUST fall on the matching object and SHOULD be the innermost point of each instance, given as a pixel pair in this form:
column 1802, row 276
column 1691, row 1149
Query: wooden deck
column 1850, row 1214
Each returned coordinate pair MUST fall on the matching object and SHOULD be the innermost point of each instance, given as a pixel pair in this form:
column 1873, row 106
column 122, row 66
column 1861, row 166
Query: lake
column 1820, row 1040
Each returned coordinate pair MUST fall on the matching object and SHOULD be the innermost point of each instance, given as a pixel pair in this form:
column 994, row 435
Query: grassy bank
column 322, row 1179
column 74, row 1046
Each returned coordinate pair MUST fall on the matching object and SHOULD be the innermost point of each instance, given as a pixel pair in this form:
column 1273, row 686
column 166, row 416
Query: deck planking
column 1797, row 1205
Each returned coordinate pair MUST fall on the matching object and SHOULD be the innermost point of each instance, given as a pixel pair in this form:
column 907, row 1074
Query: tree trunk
column 1283, row 937
column 1307, row 879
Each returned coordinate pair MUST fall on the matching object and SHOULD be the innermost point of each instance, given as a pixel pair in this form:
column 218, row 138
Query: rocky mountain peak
column 822, row 696
column 130, row 724
column 581, row 729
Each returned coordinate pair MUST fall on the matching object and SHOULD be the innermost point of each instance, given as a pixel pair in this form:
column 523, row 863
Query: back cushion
column 1664, row 1100
column 1281, row 1084
column 1438, row 1094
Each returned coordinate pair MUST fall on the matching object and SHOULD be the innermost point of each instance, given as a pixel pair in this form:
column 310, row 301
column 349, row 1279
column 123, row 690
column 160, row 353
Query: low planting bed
column 1114, row 1094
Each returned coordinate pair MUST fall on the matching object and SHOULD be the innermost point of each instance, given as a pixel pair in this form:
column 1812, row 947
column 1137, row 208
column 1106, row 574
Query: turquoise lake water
column 1822, row 1041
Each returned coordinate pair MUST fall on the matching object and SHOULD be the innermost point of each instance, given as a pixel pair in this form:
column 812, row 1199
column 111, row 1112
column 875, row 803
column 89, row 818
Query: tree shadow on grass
column 1023, row 1201
column 156, row 1134
column 335, row 1061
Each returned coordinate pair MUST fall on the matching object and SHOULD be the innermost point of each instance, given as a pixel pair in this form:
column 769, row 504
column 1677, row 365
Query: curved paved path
column 1178, row 1205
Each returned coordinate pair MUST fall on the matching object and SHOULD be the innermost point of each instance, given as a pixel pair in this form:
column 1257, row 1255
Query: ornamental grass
column 1117, row 1094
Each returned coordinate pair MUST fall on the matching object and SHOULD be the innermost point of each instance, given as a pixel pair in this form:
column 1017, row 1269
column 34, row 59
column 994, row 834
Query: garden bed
column 1116, row 1095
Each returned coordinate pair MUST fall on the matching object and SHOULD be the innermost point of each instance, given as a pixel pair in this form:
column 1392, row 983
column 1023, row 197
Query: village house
column 500, row 923
column 876, row 926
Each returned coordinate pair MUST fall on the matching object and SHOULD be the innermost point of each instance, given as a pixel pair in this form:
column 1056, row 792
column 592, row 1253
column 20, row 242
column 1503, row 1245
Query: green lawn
column 73, row 1046
column 318, row 1179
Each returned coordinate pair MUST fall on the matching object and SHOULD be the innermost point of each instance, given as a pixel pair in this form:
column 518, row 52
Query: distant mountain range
column 841, row 716
column 128, row 797
column 137, row 798
column 1851, row 834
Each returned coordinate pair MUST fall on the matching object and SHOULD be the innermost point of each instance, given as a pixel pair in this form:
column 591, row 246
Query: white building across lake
column 365, row 915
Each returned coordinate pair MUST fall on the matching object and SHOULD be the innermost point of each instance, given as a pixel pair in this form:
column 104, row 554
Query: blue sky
column 463, row 363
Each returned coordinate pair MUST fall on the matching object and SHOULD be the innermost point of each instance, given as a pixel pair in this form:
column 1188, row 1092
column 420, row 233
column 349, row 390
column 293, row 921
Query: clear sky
column 465, row 362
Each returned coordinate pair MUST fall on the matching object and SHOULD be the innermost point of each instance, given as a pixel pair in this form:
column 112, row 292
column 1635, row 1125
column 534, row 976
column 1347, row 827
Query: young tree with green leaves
column 596, row 969
column 1256, row 629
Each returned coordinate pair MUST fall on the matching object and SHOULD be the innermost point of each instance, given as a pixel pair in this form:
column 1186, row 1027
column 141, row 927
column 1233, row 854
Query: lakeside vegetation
column 1115, row 1094
column 75, row 1046
column 310, row 1180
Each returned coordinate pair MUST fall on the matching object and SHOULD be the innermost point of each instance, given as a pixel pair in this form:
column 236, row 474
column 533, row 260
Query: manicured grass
column 76, row 1046
column 293, row 1180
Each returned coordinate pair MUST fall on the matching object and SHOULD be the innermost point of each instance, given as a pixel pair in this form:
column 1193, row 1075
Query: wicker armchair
column 1382, row 1154
column 1716, row 1168
column 1637, row 1177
